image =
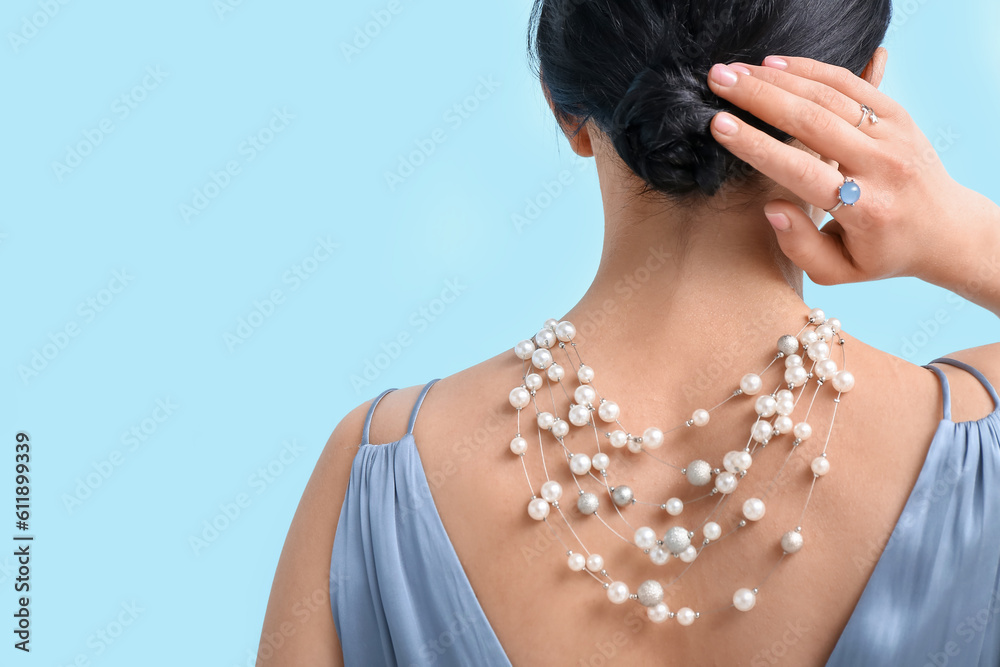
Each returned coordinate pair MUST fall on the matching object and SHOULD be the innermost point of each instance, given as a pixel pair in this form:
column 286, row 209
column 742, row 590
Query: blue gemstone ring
column 849, row 193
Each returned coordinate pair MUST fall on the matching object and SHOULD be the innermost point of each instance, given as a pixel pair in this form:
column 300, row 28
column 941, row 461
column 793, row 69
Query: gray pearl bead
column 650, row 593
column 788, row 345
column 587, row 503
column 699, row 472
column 622, row 495
column 791, row 541
column 676, row 540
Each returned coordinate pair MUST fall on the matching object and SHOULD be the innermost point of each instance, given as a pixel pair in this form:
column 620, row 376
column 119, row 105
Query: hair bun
column 660, row 128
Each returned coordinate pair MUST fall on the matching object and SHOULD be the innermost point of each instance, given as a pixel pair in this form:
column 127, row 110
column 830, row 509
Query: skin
column 726, row 284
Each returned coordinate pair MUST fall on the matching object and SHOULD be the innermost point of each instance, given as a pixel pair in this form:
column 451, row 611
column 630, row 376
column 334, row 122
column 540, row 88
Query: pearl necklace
column 772, row 414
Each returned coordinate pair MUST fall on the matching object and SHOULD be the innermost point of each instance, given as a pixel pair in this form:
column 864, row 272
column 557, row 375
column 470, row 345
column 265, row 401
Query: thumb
column 822, row 256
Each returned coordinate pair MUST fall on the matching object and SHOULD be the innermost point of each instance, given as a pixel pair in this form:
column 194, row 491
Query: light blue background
column 161, row 336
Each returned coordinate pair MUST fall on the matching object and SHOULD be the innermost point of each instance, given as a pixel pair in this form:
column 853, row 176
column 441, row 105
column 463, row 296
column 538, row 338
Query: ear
column 579, row 141
column 876, row 67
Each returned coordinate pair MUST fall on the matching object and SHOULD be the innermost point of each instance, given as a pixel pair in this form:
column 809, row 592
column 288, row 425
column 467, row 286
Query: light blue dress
column 401, row 597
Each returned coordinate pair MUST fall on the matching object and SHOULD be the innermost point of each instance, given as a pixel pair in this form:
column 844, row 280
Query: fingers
column 803, row 174
column 819, row 128
column 839, row 79
column 821, row 255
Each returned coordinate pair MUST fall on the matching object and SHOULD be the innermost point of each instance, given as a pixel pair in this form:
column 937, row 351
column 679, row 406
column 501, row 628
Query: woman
column 433, row 558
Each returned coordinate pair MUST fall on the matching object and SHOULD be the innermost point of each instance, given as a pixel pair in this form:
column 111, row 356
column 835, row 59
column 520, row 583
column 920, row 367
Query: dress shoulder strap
column 416, row 407
column 371, row 411
column 945, row 389
column 975, row 373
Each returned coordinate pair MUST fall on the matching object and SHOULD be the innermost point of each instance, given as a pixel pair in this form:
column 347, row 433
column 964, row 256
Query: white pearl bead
column 784, row 395
column 796, row 376
column 519, row 445
column 658, row 555
column 761, row 431
column 700, row 417
column 803, row 431
column 550, row 323
column 825, row 332
column 737, row 460
column 785, row 408
column 560, row 428
column 595, row 562
column 765, row 405
column 817, row 316
column 834, row 324
column 843, row 381
column 524, row 349
column 644, row 537
column 820, row 465
column 791, row 541
column 579, row 464
column 585, row 374
column 576, row 562
column 556, row 372
column 618, row 592
column 744, row 599
column 658, row 612
column 519, row 397
column 726, row 482
column 808, row 338
column 545, row 338
column 541, row 358
column 712, row 530
column 533, row 381
column 634, row 446
column 545, row 420
column 579, row 415
column 600, row 461
column 685, row 616
column 783, row 424
column 552, row 491
column 793, row 360
column 826, row 368
column 753, row 509
column 751, row 384
column 538, row 509
column 565, row 331
column 699, row 472
column 619, row 439
column 652, row 438
column 675, row 506
column 584, row 394
column 608, row 411
column 819, row 351
column 689, row 554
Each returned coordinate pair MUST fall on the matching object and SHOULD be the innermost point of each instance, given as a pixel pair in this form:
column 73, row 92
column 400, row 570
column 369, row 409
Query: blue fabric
column 401, row 597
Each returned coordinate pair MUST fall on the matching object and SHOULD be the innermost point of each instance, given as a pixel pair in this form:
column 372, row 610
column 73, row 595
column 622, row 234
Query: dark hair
column 639, row 69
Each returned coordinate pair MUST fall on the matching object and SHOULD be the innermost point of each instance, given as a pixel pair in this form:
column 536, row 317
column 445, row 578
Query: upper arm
column 298, row 625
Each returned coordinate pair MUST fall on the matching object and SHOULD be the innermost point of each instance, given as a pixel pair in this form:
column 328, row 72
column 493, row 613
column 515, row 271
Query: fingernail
column 724, row 76
column 779, row 221
column 776, row 62
column 725, row 124
column 742, row 69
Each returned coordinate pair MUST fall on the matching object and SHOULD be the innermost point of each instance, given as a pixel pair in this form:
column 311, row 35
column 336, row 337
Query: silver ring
column 867, row 112
column 849, row 193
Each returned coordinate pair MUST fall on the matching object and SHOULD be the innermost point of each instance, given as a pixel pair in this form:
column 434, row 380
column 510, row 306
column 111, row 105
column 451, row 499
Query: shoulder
column 970, row 400
column 986, row 358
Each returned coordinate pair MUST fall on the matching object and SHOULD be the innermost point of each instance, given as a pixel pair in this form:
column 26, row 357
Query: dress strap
column 416, row 407
column 945, row 389
column 371, row 411
column 978, row 375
